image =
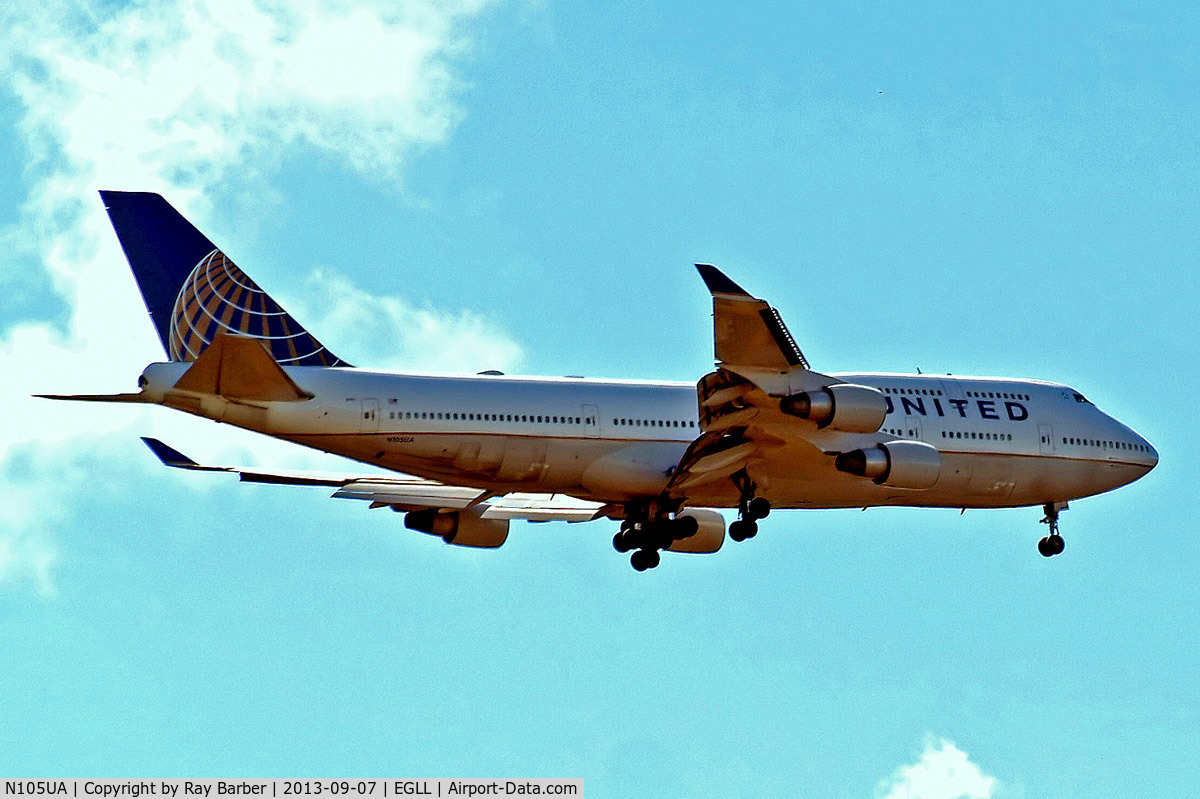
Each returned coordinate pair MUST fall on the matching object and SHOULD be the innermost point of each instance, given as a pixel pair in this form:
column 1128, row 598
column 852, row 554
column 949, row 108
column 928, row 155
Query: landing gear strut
column 750, row 509
column 1052, row 544
column 645, row 535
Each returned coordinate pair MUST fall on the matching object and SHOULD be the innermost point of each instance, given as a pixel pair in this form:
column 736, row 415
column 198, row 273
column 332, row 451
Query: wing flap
column 408, row 495
column 543, row 508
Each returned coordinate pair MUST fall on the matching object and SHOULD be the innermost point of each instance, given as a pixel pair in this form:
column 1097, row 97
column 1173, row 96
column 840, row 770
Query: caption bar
column 356, row 789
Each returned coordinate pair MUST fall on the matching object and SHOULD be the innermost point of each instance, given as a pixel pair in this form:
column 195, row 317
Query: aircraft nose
column 1146, row 453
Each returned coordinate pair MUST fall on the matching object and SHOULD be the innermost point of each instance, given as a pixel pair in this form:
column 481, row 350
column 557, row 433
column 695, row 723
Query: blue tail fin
column 193, row 292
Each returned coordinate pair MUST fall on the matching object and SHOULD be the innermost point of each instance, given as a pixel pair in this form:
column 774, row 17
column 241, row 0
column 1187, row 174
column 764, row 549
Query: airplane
column 762, row 431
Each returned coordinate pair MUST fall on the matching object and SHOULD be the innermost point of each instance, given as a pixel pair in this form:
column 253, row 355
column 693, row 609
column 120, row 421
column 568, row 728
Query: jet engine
column 709, row 535
column 464, row 528
column 899, row 464
column 845, row 406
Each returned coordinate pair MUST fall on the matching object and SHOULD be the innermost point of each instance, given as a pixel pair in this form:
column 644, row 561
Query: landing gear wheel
column 685, row 527
column 1051, row 545
column 735, row 530
column 758, row 508
column 621, row 542
column 742, row 529
column 644, row 559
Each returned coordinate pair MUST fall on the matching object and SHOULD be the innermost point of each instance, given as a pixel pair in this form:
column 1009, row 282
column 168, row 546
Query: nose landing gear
column 1052, row 544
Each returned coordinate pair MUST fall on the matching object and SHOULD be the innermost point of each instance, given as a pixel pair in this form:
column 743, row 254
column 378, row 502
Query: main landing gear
column 750, row 509
column 646, row 535
column 1052, row 544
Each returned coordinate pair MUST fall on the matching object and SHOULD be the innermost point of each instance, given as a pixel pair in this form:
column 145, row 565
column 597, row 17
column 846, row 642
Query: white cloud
column 177, row 97
column 391, row 333
column 26, row 555
column 942, row 772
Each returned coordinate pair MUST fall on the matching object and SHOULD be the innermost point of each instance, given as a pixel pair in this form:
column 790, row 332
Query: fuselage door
column 1046, row 439
column 912, row 428
column 591, row 421
column 369, row 423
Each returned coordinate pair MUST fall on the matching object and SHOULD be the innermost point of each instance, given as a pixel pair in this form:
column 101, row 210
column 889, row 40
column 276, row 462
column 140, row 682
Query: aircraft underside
column 620, row 472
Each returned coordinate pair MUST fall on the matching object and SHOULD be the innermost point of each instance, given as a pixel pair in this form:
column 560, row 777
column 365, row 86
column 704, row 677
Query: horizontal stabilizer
column 240, row 368
column 97, row 397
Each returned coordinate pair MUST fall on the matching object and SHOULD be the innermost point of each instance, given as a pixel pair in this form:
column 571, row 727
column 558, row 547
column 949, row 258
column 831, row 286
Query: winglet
column 173, row 457
column 718, row 283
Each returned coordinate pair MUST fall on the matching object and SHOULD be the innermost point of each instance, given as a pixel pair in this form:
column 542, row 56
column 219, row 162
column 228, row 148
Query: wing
column 747, row 332
column 763, row 406
column 404, row 493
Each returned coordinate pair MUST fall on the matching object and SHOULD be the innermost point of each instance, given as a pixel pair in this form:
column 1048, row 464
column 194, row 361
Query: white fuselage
column 1003, row 442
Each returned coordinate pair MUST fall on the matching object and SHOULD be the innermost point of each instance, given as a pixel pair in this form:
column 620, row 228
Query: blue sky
column 980, row 189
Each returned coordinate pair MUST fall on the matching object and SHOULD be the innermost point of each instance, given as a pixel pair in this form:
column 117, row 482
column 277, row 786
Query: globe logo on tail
column 218, row 297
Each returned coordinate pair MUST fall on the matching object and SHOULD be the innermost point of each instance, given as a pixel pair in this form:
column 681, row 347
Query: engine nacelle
column 464, row 528
column 709, row 535
column 845, row 406
column 899, row 464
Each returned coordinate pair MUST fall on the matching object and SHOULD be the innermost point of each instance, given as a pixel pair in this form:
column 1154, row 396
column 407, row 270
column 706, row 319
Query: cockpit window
column 1080, row 398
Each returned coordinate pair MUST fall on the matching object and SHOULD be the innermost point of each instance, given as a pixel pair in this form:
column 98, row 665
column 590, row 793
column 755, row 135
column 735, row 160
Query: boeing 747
column 763, row 431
